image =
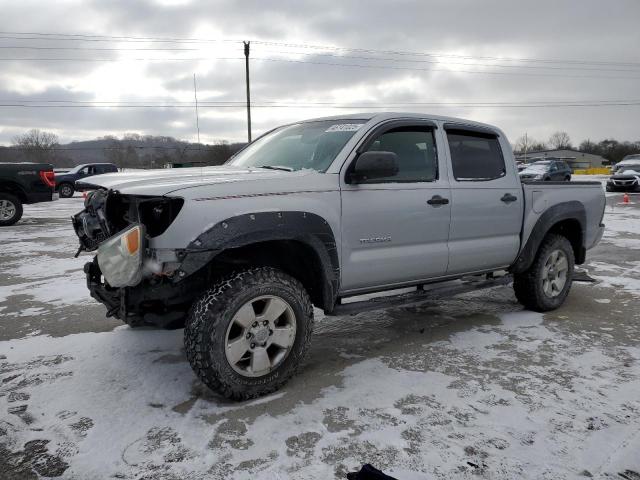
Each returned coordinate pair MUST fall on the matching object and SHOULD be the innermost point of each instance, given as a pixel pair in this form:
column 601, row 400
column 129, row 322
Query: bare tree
column 560, row 140
column 525, row 143
column 37, row 145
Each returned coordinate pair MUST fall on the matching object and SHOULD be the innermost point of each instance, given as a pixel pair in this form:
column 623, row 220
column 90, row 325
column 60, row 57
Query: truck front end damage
column 137, row 283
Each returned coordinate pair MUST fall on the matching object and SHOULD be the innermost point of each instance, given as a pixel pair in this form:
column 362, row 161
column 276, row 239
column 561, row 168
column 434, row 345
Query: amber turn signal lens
column 132, row 240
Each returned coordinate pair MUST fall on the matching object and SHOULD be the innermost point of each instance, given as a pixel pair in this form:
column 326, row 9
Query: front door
column 487, row 204
column 390, row 233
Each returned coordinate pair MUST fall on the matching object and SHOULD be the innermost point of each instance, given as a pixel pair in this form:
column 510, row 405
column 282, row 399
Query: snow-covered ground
column 469, row 387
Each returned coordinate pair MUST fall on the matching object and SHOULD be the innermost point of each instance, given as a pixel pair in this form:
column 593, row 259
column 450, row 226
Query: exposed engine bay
column 119, row 228
column 107, row 213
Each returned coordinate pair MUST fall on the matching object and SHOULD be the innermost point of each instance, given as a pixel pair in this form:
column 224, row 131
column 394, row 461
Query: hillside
column 132, row 150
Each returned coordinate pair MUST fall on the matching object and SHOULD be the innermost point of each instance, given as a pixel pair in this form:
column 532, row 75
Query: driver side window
column 416, row 151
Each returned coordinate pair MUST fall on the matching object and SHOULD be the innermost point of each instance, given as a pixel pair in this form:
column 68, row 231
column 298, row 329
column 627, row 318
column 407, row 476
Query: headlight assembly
column 120, row 257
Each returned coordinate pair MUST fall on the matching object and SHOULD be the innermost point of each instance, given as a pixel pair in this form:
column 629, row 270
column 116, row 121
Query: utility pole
column 526, row 146
column 246, row 66
column 195, row 95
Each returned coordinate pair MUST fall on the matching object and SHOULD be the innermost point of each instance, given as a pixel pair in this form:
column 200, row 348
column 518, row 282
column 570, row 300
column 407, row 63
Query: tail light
column 48, row 177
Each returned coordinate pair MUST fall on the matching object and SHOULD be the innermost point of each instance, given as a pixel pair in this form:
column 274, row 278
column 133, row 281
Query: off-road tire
column 210, row 315
column 528, row 284
column 18, row 209
column 64, row 190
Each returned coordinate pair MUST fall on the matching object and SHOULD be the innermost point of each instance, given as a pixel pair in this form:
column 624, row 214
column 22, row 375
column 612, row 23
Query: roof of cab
column 382, row 116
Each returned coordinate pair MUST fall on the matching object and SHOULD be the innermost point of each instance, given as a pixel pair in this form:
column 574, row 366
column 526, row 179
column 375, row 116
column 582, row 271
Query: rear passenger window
column 475, row 156
column 416, row 151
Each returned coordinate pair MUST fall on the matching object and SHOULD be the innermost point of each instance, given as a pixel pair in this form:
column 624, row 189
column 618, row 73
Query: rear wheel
column 546, row 284
column 567, row 178
column 247, row 335
column 66, row 190
column 10, row 209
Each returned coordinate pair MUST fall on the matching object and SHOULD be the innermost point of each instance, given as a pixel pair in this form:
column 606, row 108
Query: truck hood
column 165, row 181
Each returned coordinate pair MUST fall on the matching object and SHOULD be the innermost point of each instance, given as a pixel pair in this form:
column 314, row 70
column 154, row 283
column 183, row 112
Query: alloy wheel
column 260, row 336
column 554, row 273
column 7, row 210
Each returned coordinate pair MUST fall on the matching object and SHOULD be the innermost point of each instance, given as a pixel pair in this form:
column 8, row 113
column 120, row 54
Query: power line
column 93, row 49
column 448, row 55
column 190, row 104
column 331, row 106
column 85, row 37
column 439, row 62
column 107, row 38
column 315, row 54
column 335, row 64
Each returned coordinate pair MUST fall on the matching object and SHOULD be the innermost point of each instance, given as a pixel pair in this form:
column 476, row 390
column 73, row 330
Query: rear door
column 487, row 203
column 554, row 171
column 393, row 232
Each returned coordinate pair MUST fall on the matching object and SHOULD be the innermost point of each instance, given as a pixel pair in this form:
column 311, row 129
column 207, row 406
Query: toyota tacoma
column 315, row 214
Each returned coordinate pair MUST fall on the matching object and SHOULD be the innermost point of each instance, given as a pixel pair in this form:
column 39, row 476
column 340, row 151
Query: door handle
column 508, row 198
column 437, row 201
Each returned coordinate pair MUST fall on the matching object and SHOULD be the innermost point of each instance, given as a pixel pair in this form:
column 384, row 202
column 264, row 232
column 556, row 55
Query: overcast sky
column 468, row 52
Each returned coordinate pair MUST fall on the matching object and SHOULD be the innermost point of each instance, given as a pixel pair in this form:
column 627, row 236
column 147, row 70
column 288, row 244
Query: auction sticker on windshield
column 344, row 127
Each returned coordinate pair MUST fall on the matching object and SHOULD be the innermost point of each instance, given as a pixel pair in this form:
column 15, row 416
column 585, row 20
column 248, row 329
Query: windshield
column 629, row 167
column 537, row 167
column 295, row 147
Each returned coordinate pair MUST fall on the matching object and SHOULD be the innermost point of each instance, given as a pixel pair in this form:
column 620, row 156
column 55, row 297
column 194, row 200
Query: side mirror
column 372, row 165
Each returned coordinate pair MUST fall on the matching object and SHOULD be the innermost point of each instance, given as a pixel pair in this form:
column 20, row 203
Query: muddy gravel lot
column 470, row 387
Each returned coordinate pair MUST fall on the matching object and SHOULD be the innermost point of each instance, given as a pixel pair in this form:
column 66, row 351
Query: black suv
column 547, row 170
column 66, row 182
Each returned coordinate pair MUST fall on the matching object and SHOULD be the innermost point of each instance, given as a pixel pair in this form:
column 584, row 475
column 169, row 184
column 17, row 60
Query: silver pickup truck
column 313, row 213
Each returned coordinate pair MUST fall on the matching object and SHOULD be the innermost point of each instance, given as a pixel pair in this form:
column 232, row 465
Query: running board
column 583, row 276
column 423, row 294
column 437, row 291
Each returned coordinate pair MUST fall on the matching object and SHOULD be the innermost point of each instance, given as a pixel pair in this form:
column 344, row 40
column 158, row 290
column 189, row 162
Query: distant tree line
column 130, row 151
column 611, row 149
column 133, row 150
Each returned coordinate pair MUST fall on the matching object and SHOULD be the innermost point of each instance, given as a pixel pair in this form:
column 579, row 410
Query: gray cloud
column 591, row 30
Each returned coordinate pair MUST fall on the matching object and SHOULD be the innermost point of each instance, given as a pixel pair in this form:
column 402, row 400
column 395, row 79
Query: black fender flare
column 250, row 228
column 572, row 210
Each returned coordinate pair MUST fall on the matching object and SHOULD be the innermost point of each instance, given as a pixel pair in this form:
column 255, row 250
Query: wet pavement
column 469, row 387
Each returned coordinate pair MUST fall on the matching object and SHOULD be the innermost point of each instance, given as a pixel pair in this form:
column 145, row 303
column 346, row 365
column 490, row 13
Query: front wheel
column 546, row 284
column 247, row 335
column 10, row 209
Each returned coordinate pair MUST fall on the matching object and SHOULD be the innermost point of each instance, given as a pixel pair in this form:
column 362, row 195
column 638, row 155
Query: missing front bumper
column 152, row 302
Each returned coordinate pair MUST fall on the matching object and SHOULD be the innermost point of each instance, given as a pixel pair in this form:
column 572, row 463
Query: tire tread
column 210, row 307
column 526, row 284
